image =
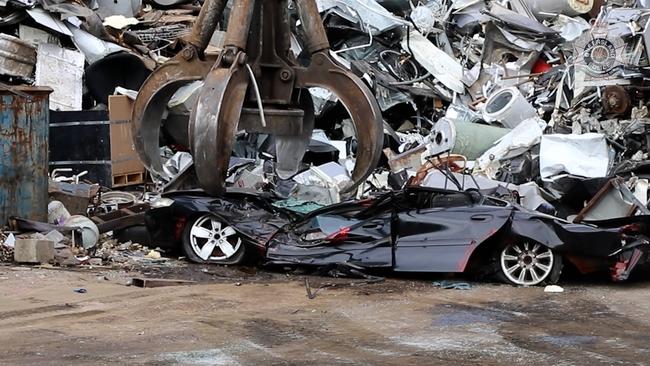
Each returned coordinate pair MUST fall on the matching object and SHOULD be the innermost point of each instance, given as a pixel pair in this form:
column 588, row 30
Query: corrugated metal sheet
column 24, row 153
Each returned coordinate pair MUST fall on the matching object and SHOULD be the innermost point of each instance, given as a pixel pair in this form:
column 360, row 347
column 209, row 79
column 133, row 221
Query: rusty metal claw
column 189, row 65
column 360, row 104
column 256, row 85
column 359, row 101
column 213, row 123
column 152, row 100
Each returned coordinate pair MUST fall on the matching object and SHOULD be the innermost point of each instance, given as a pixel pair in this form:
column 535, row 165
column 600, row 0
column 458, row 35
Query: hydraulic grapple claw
column 360, row 104
column 151, row 103
column 257, row 85
column 189, row 65
column 213, row 123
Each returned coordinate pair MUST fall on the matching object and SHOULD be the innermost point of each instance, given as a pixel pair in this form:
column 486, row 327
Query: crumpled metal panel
column 128, row 8
column 444, row 67
column 372, row 16
column 250, row 216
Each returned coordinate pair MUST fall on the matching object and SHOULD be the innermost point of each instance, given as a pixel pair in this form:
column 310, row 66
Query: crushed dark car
column 413, row 230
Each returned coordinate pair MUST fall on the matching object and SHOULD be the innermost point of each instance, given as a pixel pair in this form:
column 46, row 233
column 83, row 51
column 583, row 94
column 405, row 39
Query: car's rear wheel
column 525, row 263
column 209, row 240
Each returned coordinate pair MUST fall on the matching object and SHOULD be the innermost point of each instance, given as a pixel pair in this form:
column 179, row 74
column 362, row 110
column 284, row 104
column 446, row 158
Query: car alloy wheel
column 526, row 264
column 211, row 240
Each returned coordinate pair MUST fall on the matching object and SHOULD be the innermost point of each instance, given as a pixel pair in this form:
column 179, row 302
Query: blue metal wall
column 24, row 153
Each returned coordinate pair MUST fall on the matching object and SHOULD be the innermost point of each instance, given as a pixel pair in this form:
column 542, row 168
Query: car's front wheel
column 209, row 240
column 525, row 263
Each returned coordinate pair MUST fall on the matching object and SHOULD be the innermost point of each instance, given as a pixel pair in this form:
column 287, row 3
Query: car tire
column 207, row 239
column 527, row 263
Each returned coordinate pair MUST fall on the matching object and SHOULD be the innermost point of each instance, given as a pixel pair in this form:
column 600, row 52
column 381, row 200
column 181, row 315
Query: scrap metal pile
column 320, row 102
column 84, row 50
column 545, row 98
column 541, row 100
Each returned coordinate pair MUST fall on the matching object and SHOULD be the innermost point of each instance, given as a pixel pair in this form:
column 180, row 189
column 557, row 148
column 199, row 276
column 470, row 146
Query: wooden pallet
column 122, row 218
column 120, row 180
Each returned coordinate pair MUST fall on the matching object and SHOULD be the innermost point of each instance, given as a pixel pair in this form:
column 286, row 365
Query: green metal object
column 473, row 139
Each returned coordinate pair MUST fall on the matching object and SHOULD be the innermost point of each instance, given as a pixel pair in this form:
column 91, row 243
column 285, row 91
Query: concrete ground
column 248, row 317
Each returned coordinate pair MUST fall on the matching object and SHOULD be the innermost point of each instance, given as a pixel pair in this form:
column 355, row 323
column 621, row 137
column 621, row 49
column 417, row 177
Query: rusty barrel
column 24, row 120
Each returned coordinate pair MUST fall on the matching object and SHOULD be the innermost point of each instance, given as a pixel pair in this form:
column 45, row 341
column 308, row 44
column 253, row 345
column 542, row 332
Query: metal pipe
column 358, row 46
column 206, row 23
column 239, row 24
column 313, row 25
column 258, row 97
column 283, row 33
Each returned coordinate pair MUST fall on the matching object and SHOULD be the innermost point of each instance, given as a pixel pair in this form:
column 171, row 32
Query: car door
column 442, row 239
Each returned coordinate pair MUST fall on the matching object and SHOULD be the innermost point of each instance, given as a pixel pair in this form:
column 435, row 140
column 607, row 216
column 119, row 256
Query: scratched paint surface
column 24, row 155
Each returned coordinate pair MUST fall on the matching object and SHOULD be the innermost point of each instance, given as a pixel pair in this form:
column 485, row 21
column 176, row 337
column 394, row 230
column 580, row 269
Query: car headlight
column 162, row 202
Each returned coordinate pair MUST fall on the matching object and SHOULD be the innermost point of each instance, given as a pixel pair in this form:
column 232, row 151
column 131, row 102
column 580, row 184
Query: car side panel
column 367, row 244
column 443, row 239
column 574, row 239
column 374, row 254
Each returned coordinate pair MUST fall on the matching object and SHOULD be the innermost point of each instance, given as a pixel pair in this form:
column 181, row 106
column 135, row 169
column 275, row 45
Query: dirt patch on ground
column 238, row 316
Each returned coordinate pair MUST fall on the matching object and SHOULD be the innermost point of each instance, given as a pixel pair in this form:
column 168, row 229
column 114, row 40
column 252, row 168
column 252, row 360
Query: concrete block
column 33, row 251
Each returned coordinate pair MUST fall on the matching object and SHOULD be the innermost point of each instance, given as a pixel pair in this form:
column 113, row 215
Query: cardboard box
column 125, row 163
column 98, row 142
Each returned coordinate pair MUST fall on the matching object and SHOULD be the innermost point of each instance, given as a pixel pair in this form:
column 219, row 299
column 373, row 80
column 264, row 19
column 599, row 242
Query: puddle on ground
column 447, row 315
column 568, row 340
column 214, row 356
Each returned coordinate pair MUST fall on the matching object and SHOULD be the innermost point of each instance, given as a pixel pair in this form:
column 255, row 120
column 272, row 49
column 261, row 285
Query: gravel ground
column 246, row 316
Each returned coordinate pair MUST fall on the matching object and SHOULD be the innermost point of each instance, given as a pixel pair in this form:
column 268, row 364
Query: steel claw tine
column 151, row 103
column 289, row 157
column 360, row 103
column 189, row 65
column 213, row 124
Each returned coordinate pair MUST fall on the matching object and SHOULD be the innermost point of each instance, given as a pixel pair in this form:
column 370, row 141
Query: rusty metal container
column 24, row 119
column 17, row 57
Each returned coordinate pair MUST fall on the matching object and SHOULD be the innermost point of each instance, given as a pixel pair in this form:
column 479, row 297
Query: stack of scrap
column 85, row 49
column 545, row 98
